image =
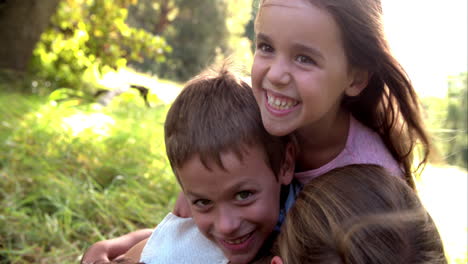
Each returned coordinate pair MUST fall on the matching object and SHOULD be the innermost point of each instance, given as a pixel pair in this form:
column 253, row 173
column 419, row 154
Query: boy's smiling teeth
column 280, row 103
column 239, row 240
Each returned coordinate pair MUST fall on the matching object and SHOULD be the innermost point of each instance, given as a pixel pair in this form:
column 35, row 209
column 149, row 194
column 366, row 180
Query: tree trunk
column 163, row 21
column 21, row 25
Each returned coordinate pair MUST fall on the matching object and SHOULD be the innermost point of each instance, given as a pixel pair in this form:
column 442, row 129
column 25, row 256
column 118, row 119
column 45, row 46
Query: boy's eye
column 241, row 196
column 202, row 203
column 264, row 47
column 305, row 59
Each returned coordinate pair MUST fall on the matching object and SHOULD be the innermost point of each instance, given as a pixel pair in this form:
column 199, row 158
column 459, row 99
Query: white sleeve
column 178, row 240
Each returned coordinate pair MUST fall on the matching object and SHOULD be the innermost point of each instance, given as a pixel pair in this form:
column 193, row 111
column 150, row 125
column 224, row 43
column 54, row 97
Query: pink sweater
column 363, row 146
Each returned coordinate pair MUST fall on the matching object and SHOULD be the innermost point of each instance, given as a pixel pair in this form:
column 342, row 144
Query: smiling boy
column 230, row 169
column 237, row 207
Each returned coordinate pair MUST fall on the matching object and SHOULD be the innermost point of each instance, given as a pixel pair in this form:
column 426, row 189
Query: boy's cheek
column 202, row 221
column 265, row 216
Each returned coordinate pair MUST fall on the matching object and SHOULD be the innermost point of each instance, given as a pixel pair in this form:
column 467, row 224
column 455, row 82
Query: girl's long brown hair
column 358, row 214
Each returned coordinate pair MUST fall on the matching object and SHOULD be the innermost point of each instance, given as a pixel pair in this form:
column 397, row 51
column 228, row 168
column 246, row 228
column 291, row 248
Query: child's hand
column 182, row 208
column 97, row 253
column 107, row 250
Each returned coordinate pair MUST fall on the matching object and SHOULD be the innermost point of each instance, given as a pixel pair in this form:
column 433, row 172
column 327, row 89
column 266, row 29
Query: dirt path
column 165, row 90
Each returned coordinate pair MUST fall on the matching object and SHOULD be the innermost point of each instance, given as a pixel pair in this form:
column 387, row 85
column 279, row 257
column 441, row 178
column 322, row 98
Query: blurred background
column 85, row 86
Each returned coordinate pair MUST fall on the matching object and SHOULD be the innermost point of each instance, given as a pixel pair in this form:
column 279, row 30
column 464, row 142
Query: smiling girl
column 323, row 71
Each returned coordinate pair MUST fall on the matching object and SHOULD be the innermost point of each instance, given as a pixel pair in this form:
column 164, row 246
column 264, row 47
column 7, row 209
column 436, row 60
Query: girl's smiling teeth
column 280, row 103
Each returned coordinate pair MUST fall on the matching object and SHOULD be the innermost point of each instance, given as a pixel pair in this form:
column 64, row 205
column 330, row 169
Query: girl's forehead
column 285, row 3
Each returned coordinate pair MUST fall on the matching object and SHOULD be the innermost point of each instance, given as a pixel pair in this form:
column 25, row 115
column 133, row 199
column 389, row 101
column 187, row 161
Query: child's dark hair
column 389, row 105
column 358, row 214
column 216, row 113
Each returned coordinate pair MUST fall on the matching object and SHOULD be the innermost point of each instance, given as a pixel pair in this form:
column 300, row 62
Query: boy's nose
column 227, row 223
column 279, row 73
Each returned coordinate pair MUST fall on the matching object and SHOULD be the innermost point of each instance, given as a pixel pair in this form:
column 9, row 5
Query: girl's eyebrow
column 310, row 50
column 263, row 37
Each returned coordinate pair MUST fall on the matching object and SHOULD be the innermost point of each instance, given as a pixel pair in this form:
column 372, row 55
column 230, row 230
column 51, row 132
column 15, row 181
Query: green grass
column 70, row 176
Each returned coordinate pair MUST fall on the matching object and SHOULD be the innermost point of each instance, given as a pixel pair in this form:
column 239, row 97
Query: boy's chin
column 244, row 259
column 241, row 257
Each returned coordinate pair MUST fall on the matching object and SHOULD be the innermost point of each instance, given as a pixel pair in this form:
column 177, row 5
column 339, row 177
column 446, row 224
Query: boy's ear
column 287, row 169
column 276, row 260
column 359, row 81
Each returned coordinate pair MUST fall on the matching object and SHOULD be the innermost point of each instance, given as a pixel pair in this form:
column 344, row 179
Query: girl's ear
column 359, row 81
column 276, row 260
column 287, row 169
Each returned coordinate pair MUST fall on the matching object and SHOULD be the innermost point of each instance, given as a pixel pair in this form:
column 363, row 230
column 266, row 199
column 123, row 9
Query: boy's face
column 236, row 208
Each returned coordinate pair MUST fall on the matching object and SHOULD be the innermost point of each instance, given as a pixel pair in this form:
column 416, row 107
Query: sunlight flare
column 96, row 123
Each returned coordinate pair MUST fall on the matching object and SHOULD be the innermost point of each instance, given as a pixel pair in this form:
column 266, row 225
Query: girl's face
column 300, row 71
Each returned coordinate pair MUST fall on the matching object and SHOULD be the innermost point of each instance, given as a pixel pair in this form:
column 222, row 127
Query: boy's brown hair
column 215, row 113
column 358, row 214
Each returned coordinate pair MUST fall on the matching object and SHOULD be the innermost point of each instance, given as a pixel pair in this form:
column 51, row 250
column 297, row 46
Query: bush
column 448, row 122
column 87, row 38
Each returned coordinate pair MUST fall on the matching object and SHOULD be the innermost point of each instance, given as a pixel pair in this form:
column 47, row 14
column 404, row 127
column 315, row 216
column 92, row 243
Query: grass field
column 72, row 174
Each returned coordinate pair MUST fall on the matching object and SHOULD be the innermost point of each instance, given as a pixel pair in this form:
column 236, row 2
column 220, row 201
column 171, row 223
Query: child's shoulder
column 361, row 137
column 363, row 146
column 177, row 240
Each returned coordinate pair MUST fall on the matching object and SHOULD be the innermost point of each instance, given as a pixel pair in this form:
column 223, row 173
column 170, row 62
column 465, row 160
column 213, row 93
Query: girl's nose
column 279, row 73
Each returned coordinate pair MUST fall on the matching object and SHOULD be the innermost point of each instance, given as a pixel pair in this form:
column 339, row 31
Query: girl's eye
column 202, row 203
column 241, row 196
column 264, row 47
column 305, row 59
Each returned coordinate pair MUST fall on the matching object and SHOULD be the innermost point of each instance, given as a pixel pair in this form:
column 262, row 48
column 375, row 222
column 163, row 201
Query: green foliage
column 250, row 27
column 88, row 37
column 448, row 121
column 70, row 176
column 200, row 32
column 239, row 45
column 456, row 120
